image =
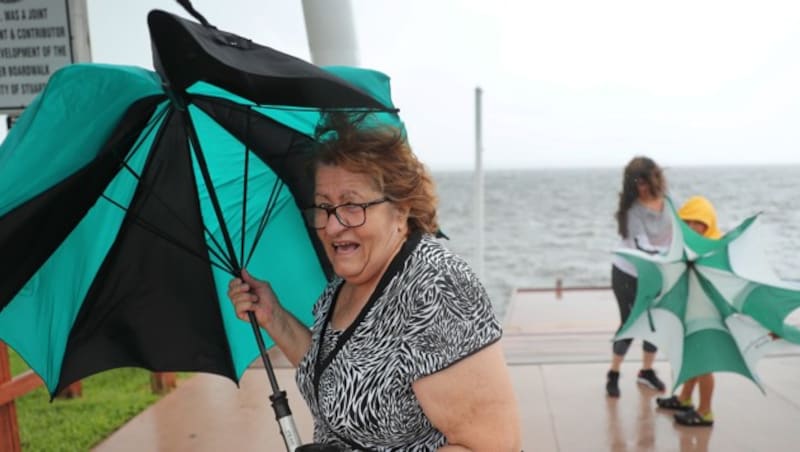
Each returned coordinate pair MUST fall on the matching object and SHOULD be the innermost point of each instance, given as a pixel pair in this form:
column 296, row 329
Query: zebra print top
column 428, row 312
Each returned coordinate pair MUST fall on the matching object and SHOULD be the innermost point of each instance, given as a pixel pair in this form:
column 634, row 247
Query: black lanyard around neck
column 320, row 363
column 395, row 266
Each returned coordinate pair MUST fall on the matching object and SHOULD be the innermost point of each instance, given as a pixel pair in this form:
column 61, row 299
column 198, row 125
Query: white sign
column 34, row 43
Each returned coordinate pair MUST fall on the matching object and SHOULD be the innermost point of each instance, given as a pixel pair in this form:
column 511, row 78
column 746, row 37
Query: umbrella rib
column 244, row 189
column 156, row 119
column 271, row 202
column 156, row 231
column 299, row 108
column 273, row 198
column 201, row 163
column 218, row 253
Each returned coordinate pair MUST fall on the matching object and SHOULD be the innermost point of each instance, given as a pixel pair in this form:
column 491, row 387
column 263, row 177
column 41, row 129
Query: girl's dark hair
column 381, row 152
column 639, row 169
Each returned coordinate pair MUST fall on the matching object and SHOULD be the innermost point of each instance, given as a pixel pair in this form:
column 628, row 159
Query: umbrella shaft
column 262, row 349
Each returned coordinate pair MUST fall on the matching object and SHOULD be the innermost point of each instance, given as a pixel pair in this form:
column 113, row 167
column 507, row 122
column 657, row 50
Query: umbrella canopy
column 711, row 303
column 129, row 199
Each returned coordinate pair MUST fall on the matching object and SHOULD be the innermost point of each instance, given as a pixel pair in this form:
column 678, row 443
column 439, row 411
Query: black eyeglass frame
column 309, row 214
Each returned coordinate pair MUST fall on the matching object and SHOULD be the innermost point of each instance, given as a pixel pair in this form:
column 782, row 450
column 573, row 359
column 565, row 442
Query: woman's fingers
column 244, row 304
column 254, row 283
column 250, row 295
column 242, row 308
column 246, row 299
column 235, row 288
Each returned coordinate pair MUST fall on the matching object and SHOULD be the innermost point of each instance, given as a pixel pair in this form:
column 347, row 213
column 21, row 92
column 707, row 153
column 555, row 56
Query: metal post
column 559, row 288
column 479, row 215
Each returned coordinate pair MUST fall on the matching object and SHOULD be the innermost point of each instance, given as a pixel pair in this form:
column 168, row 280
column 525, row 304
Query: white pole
column 79, row 31
column 330, row 31
column 478, row 186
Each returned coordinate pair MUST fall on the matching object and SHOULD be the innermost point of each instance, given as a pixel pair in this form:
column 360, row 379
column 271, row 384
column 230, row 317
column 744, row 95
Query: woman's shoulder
column 432, row 253
column 434, row 268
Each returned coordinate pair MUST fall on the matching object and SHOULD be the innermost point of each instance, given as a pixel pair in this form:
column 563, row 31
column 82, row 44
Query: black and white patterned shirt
column 428, row 312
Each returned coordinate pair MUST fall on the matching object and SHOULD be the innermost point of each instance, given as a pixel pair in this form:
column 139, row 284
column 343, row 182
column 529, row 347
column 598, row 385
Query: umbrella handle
column 280, row 404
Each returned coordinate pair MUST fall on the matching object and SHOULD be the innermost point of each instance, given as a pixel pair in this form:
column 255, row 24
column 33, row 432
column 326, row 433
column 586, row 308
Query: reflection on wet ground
column 558, row 350
column 567, row 341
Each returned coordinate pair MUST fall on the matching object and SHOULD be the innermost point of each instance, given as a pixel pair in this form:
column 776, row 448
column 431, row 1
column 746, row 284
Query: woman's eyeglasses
column 349, row 214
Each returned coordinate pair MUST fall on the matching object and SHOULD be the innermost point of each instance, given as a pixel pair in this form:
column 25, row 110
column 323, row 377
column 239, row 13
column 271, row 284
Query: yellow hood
column 698, row 208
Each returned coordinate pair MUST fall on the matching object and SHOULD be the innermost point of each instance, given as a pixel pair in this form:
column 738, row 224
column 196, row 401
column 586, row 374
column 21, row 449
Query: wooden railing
column 13, row 387
column 559, row 288
column 9, row 390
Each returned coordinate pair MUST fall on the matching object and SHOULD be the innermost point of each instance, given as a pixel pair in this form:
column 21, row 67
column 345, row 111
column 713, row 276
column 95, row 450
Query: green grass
column 17, row 364
column 109, row 400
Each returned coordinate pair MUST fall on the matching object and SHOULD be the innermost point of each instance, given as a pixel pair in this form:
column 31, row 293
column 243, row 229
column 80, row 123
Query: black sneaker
column 674, row 403
column 648, row 377
column 612, row 384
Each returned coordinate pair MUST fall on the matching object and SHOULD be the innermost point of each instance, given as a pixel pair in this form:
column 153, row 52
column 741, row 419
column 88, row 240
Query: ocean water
column 547, row 224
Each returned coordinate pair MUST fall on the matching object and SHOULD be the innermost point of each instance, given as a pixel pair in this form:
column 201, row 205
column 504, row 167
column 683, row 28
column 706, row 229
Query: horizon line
column 610, row 166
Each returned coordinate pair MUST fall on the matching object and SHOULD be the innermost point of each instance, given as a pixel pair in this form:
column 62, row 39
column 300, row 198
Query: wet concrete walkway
column 558, row 350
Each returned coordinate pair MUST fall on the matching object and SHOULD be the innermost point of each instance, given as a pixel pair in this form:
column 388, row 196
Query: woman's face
column 360, row 254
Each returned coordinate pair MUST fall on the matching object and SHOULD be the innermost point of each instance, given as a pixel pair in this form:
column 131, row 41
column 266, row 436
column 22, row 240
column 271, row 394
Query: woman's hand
column 249, row 294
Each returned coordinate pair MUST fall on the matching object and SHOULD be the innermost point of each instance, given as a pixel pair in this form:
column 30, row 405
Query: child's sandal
column 692, row 418
column 673, row 403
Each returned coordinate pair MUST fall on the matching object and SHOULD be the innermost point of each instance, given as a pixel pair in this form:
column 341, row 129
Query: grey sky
column 566, row 83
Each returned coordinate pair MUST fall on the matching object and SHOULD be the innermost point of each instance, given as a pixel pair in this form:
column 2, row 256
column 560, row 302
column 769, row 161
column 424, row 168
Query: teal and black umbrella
column 714, row 305
column 129, row 198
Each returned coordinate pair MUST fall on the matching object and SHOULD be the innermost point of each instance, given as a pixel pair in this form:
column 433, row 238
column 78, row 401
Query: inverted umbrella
column 128, row 200
column 715, row 305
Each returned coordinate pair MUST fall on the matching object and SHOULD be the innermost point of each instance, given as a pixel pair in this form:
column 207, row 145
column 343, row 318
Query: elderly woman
column 404, row 351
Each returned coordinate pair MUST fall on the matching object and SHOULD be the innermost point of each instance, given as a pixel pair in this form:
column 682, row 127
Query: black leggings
column 624, row 286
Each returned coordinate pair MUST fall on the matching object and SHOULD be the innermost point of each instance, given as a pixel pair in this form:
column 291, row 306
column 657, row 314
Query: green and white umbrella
column 711, row 304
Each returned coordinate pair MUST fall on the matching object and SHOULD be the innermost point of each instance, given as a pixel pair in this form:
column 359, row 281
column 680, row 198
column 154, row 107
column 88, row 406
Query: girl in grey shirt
column 644, row 223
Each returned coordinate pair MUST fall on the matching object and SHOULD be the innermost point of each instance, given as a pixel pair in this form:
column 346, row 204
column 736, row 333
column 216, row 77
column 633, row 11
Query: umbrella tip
column 187, row 5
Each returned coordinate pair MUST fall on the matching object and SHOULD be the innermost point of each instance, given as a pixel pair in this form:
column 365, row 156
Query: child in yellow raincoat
column 699, row 214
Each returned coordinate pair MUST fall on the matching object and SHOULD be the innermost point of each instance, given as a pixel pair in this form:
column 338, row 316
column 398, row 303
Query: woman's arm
column 249, row 294
column 473, row 403
column 291, row 336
